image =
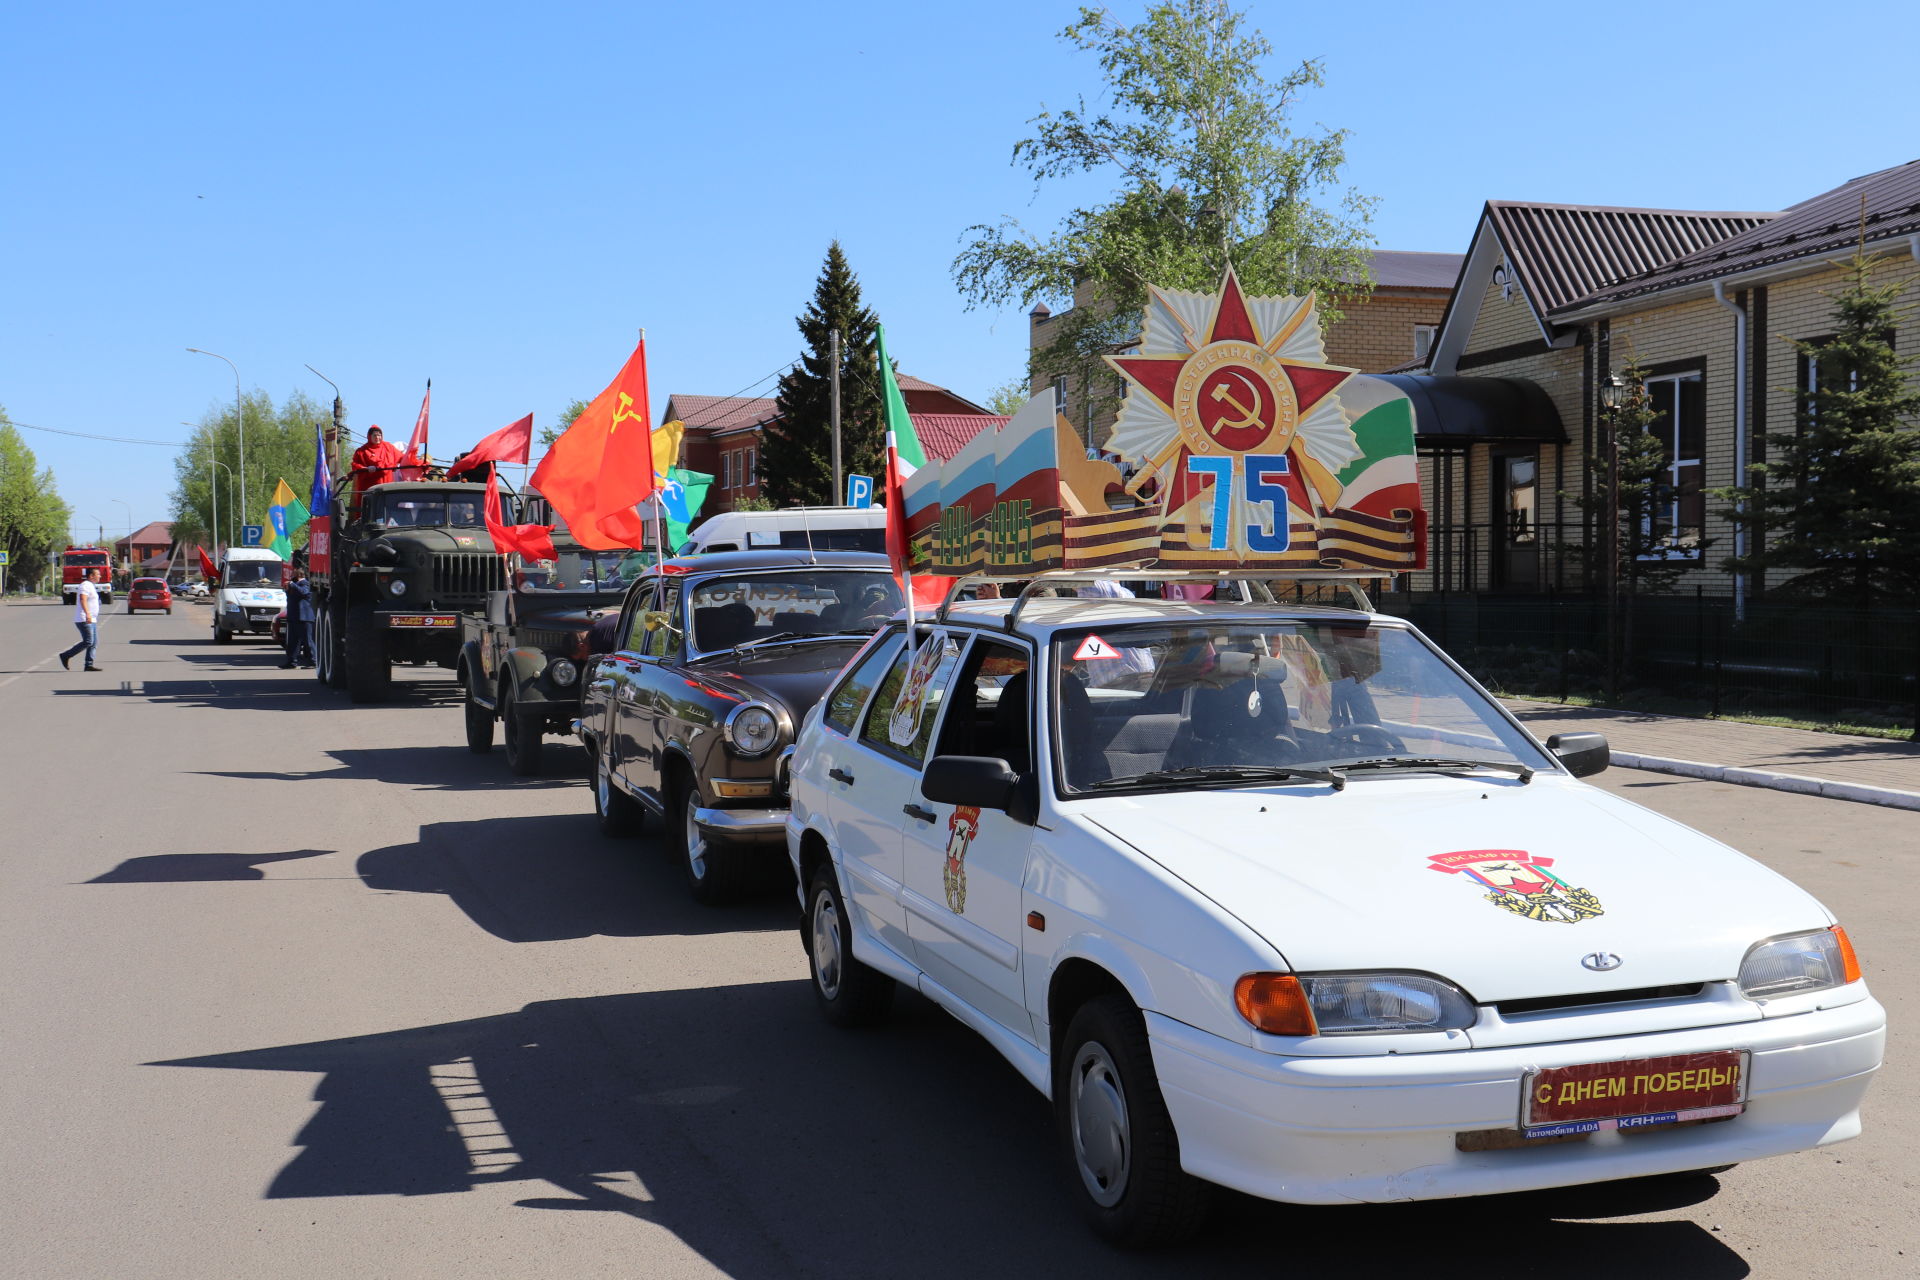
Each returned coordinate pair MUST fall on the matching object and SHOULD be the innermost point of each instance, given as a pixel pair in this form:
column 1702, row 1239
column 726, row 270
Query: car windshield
column 1195, row 704
column 577, row 569
column 427, row 510
column 252, row 573
column 748, row 607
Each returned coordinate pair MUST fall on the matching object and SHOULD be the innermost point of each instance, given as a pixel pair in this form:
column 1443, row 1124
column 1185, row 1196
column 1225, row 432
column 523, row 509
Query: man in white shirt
column 86, row 616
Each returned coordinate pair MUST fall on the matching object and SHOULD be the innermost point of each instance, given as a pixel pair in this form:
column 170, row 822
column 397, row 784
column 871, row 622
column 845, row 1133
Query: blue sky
column 497, row 196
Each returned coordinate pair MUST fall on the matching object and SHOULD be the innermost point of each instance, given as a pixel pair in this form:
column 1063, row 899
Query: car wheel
column 616, row 812
column 479, row 720
column 221, row 637
column 850, row 993
column 1114, row 1130
column 713, row 870
column 522, row 734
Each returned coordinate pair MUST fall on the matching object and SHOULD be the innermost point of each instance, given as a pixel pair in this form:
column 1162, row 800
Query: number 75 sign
column 1259, row 479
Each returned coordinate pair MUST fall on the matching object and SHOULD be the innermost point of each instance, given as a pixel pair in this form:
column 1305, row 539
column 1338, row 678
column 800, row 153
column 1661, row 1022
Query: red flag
column 925, row 591
column 602, row 466
column 511, row 443
column 533, row 541
column 207, row 568
column 416, row 453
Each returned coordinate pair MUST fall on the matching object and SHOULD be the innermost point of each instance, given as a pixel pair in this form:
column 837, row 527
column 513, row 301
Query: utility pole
column 838, row 495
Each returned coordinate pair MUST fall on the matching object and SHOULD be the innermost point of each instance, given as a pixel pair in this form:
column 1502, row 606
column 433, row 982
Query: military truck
column 393, row 572
column 521, row 660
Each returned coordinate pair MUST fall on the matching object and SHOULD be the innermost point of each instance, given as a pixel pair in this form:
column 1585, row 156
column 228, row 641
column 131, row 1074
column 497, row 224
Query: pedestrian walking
column 86, row 616
column 299, row 618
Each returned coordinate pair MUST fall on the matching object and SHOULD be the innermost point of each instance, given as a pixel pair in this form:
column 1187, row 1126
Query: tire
column 221, row 637
column 333, row 673
column 322, row 644
column 479, row 718
column 616, row 813
column 1122, row 1154
column 712, row 869
column 522, row 734
column 850, row 993
column 369, row 678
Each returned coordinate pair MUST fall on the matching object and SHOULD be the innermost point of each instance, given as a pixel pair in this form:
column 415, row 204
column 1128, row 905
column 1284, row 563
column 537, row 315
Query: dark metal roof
column 1562, row 253
column 1825, row 224
column 1457, row 410
column 1406, row 269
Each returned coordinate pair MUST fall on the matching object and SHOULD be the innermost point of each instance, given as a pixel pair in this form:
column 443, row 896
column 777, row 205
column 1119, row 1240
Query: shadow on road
column 448, row 768
column 296, row 691
column 180, row 868
column 775, row 1146
column 540, row 879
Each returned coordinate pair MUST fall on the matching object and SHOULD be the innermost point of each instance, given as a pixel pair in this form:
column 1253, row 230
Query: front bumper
column 1337, row 1130
column 744, row 826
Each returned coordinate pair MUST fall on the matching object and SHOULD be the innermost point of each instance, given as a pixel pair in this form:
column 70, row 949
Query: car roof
column 250, row 553
column 1043, row 615
column 797, row 517
column 784, row 558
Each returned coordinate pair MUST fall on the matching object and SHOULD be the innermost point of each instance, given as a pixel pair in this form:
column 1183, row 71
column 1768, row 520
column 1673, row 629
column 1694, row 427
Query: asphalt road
column 296, row 988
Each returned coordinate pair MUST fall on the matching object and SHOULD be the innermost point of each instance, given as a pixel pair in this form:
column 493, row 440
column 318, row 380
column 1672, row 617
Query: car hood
column 795, row 675
column 429, row 538
column 1500, row 886
column 568, row 613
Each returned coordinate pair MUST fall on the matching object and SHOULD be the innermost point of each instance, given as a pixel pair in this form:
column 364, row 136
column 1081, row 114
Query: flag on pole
column 511, row 443
column 288, row 516
column 532, row 541
column 208, row 569
column 681, row 498
column 320, row 492
column 414, row 461
column 603, row 465
column 904, row 457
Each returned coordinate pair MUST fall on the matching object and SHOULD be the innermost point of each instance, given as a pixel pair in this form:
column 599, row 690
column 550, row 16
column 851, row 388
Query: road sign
column 250, row 534
column 6, row 557
column 859, row 491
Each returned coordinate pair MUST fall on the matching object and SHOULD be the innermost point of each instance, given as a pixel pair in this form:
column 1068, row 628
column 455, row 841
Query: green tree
column 279, row 446
column 1007, row 398
column 573, row 410
column 1209, row 169
column 1838, row 499
column 796, row 453
column 33, row 519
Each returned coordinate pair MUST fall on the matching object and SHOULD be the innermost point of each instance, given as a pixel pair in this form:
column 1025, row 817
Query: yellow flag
column 666, row 448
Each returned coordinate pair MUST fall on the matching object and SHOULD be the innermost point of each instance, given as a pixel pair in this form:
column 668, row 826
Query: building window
column 746, row 480
column 1677, row 521
column 1060, row 395
column 1423, row 335
column 726, row 470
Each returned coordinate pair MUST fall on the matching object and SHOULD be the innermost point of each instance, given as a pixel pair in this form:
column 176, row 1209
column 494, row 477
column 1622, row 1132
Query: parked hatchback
column 150, row 594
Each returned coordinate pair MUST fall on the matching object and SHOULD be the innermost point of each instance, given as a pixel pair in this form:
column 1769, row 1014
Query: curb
column 1772, row 781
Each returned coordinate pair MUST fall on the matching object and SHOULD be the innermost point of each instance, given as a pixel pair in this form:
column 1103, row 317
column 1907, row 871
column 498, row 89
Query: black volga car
column 716, row 659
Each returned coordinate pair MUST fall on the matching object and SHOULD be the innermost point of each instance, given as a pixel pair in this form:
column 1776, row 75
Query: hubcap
column 696, row 842
column 1102, row 1141
column 826, row 944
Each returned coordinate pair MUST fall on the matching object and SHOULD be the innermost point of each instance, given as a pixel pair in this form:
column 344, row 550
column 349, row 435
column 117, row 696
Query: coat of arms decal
column 1519, row 882
column 962, row 826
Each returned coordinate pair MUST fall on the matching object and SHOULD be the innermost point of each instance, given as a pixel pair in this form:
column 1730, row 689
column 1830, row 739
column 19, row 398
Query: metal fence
column 1688, row 654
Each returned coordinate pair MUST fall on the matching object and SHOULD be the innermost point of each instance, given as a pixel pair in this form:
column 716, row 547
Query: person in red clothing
column 373, row 462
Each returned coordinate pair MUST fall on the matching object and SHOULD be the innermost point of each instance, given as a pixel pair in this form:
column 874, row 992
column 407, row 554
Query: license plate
column 420, row 620
column 1592, row 1096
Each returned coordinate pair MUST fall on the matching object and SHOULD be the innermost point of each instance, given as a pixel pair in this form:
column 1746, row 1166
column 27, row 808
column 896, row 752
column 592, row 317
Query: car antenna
column 806, row 526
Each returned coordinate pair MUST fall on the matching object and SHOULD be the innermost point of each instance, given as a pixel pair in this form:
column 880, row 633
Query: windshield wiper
column 776, row 638
column 1440, row 764
column 1223, row 773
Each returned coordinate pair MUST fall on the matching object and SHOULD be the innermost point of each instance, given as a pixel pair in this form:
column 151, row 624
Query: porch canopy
column 1460, row 411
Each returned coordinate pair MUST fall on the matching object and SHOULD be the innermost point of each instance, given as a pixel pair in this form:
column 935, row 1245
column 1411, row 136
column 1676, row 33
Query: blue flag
column 681, row 498
column 320, row 497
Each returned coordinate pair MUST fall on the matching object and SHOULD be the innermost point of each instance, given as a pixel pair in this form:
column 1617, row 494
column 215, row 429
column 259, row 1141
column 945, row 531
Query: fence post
column 1915, row 735
column 1560, row 643
column 1699, row 629
column 1719, row 657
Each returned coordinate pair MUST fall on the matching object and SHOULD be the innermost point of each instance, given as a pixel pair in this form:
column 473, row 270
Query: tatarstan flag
column 603, row 465
column 904, row 457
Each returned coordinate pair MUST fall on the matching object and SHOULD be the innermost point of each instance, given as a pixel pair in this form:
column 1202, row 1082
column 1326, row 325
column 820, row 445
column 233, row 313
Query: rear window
column 148, row 584
column 833, row 539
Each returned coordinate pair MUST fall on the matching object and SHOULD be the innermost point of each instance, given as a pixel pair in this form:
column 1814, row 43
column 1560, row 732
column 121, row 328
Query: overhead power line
column 88, row 435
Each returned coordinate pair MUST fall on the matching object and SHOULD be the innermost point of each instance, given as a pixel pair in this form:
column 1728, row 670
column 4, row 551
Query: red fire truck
column 74, row 563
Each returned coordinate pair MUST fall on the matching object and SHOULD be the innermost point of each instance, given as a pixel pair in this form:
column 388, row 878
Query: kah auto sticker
column 962, row 826
column 1519, row 882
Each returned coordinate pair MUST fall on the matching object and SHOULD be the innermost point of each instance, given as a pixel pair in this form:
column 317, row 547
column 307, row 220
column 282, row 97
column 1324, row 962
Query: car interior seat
column 722, row 626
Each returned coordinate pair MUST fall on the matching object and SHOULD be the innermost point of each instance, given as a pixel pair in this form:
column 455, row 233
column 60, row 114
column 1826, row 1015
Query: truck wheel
column 336, row 676
column 616, row 812
column 479, row 720
column 322, row 644
column 713, row 869
column 850, row 993
column 221, row 637
column 369, row 679
column 1119, row 1141
column 522, row 735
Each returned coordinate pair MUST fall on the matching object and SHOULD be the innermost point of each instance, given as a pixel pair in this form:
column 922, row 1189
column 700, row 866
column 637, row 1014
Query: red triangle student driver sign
column 1093, row 647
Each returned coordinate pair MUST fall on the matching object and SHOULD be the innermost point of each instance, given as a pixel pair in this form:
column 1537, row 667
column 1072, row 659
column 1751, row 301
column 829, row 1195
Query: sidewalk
column 1841, row 766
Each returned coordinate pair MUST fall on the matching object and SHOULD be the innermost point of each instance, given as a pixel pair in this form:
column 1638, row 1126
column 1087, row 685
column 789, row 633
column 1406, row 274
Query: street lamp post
column 240, row 422
column 1613, row 398
column 213, row 483
column 339, row 438
column 129, row 506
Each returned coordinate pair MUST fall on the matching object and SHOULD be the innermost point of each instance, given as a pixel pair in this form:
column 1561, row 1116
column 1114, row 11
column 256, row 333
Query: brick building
column 1395, row 324
column 1552, row 299
column 723, row 433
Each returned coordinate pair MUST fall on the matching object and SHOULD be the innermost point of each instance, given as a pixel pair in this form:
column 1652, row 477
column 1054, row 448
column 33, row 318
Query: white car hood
column 1360, row 879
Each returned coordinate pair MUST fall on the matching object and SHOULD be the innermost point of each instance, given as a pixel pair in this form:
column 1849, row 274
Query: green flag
column 288, row 516
column 680, row 500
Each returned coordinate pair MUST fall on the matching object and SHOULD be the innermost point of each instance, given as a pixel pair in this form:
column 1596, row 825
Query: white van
column 793, row 528
column 249, row 593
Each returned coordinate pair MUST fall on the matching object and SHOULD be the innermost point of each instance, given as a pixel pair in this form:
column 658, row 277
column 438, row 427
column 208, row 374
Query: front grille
column 466, row 575
column 1634, row 995
column 545, row 638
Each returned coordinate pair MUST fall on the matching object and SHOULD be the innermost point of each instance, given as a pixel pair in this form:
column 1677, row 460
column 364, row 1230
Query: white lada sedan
column 1279, row 899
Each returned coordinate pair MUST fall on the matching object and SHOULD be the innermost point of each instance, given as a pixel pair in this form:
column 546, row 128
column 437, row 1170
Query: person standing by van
column 299, row 615
column 86, row 616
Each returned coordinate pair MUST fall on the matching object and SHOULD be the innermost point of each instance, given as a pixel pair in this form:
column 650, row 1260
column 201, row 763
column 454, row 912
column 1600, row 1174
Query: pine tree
column 796, row 453
column 1839, row 498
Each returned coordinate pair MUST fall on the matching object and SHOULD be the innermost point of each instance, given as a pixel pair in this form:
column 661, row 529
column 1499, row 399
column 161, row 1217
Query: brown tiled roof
column 1563, row 253
column 719, row 413
column 944, row 434
column 1825, row 224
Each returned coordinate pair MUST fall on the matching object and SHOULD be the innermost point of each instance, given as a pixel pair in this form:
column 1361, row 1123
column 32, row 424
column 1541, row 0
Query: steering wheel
column 1367, row 734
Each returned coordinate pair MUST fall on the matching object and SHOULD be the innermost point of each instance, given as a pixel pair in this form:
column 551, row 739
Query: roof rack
column 1248, row 580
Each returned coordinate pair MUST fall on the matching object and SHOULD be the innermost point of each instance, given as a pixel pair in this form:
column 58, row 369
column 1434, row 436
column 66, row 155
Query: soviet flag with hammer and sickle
column 603, row 465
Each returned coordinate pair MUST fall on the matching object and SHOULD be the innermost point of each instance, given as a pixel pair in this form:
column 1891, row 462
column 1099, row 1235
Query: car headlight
column 562, row 671
column 398, row 587
column 1331, row 1004
column 752, row 728
column 1798, row 962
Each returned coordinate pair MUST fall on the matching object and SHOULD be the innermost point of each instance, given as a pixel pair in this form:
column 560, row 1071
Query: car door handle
column 840, row 775
column 915, row 811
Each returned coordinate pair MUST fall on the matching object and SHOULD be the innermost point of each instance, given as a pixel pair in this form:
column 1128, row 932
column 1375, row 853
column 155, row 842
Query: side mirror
column 1584, row 754
column 985, row 782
